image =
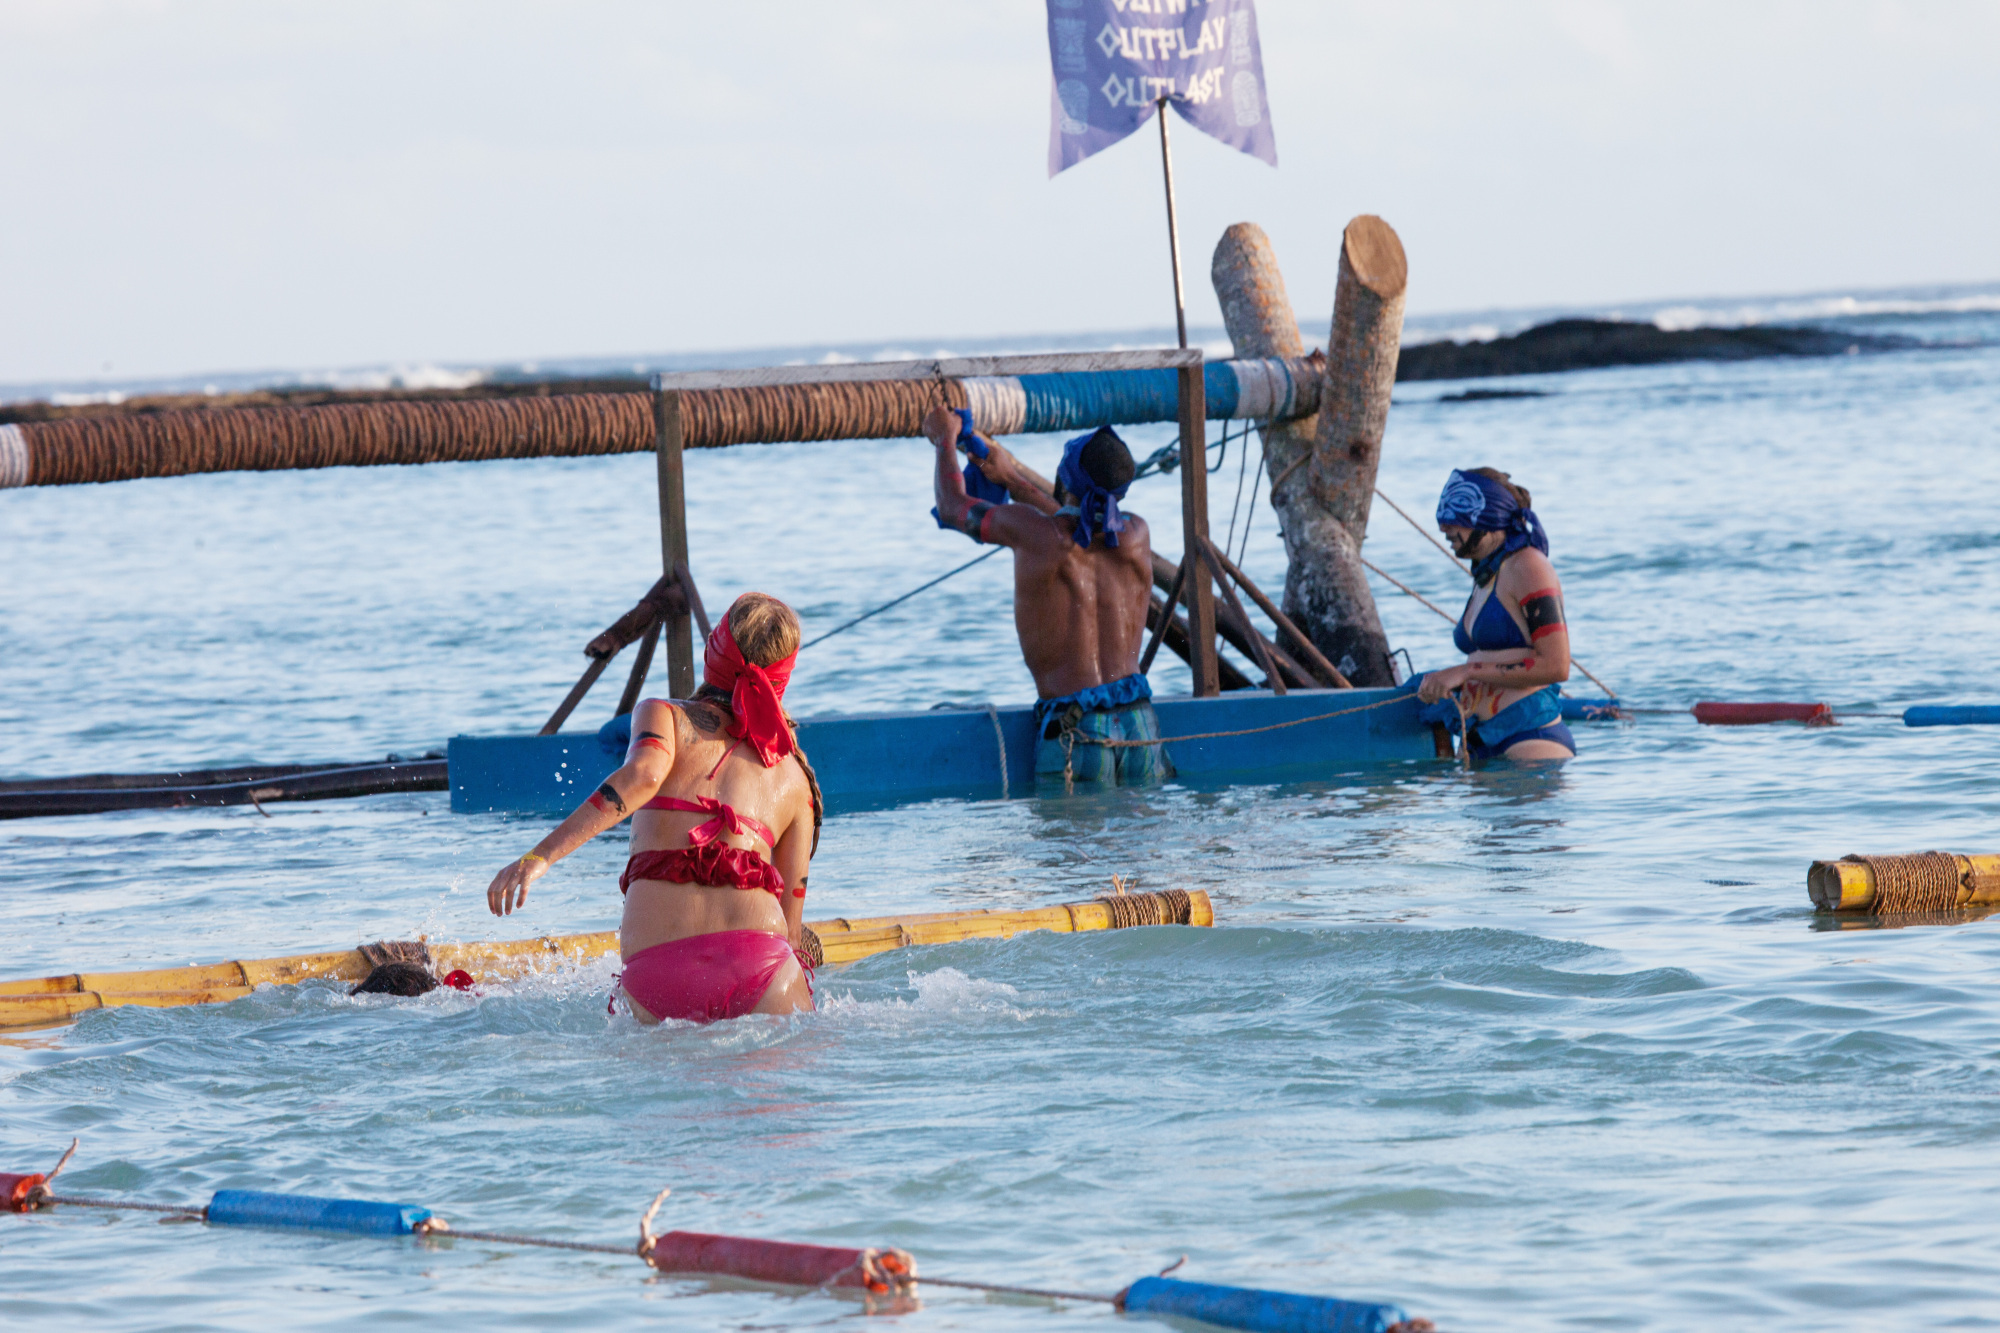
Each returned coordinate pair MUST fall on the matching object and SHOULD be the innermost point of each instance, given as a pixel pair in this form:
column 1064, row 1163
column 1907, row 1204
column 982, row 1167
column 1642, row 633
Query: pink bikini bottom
column 706, row 977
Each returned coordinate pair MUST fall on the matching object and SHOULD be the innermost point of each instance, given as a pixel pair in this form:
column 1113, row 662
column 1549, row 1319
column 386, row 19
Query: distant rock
column 1586, row 344
column 1488, row 395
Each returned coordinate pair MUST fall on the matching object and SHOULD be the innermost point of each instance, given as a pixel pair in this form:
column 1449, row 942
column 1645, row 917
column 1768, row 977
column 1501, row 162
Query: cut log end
column 1375, row 255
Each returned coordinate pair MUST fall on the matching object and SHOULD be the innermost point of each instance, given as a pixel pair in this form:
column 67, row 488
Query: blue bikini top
column 1493, row 630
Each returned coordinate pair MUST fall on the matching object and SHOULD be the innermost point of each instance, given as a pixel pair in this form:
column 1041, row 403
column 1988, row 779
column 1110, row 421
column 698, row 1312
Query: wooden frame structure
column 1197, row 588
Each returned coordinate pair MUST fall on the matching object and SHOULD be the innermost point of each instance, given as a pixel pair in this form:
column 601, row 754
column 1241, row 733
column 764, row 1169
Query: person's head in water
column 397, row 979
column 1476, row 503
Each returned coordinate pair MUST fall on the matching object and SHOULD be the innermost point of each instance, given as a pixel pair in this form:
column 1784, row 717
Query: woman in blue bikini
column 1512, row 630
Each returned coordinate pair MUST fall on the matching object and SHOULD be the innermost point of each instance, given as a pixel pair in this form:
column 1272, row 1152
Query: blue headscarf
column 978, row 485
column 1095, row 507
column 1484, row 505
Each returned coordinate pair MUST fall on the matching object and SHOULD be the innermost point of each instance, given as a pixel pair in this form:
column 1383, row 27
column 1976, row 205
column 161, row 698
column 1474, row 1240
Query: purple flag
column 1113, row 59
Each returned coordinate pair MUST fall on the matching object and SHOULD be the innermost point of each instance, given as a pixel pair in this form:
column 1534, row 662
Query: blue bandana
column 1484, row 505
column 978, row 486
column 1096, row 508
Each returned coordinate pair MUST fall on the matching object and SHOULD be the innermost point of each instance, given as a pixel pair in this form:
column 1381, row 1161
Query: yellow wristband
column 533, row 857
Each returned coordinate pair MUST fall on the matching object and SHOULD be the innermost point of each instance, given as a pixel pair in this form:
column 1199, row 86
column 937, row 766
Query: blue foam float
column 1263, row 1311
column 1952, row 715
column 303, row 1212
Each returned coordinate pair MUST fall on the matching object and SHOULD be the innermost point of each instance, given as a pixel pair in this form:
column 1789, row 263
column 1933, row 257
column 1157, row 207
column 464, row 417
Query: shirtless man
column 1512, row 629
column 1083, row 576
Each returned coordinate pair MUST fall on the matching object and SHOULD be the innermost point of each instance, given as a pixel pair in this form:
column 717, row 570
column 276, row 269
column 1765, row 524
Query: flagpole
column 1173, row 227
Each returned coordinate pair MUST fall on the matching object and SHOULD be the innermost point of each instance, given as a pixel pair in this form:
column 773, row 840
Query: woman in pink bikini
column 725, row 820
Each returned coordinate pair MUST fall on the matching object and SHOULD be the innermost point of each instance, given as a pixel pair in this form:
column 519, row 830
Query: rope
column 997, row 1286
column 1083, row 738
column 904, row 598
column 1925, row 882
column 509, row 1238
column 1000, row 744
column 1168, row 907
column 235, row 439
column 1428, row 535
column 69, row 1201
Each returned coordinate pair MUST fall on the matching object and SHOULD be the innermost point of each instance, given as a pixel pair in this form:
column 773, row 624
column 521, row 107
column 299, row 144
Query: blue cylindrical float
column 1265, row 1311
column 1952, row 715
column 356, row 1217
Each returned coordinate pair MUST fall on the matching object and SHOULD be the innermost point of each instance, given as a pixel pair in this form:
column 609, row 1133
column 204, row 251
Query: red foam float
column 776, row 1260
column 15, row 1190
column 1750, row 715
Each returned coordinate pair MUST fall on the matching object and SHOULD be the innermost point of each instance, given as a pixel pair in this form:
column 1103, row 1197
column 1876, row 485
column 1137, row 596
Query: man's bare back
column 1080, row 614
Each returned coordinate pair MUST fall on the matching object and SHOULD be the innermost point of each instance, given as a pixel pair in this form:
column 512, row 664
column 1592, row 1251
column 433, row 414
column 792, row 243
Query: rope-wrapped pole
column 99, row 447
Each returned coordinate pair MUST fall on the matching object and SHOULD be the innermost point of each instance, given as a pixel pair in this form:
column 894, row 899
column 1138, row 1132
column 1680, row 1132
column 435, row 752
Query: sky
column 208, row 186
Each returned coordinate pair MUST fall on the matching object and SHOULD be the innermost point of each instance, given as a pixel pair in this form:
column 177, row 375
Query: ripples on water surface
column 1516, row 1049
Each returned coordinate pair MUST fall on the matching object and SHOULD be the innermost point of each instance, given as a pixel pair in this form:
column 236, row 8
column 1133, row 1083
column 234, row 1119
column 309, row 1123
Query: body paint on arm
column 606, row 798
column 1543, row 611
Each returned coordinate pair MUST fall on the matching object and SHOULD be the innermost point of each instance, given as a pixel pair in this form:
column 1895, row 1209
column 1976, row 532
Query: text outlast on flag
column 1114, row 59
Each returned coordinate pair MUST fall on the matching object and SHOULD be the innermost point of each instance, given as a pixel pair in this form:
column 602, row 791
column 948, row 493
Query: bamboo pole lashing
column 36, row 1001
column 1854, row 885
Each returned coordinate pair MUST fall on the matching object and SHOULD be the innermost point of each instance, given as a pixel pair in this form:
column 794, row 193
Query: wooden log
column 575, row 695
column 1238, row 632
column 1329, row 673
column 1323, row 470
column 668, row 443
column 39, row 1001
column 1158, row 620
column 1176, row 638
column 1199, row 593
column 636, row 682
column 1273, row 680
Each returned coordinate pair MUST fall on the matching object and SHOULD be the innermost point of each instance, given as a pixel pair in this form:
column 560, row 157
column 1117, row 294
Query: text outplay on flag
column 1115, row 59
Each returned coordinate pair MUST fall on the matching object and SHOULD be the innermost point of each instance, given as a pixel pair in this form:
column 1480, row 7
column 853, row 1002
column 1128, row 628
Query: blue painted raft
column 871, row 760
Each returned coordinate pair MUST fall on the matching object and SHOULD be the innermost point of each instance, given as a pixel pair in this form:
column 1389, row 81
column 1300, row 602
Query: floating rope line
column 1084, row 738
column 876, row 1271
column 905, row 597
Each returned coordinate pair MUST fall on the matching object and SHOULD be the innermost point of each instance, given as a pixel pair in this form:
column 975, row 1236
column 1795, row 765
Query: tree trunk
column 1323, row 467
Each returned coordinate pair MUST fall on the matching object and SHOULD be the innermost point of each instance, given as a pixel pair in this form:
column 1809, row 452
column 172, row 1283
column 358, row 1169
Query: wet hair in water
column 397, row 979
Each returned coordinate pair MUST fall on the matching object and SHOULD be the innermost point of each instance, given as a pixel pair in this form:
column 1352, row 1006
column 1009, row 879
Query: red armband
column 1543, row 611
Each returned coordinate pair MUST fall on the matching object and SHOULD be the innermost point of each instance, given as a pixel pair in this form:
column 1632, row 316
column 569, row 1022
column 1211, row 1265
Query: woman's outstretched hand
column 509, row 888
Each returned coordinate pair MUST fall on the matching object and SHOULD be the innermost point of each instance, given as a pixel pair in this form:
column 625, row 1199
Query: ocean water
column 1514, row 1047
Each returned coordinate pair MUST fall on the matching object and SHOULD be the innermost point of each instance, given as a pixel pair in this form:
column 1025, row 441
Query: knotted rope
column 1925, row 882
column 1167, row 907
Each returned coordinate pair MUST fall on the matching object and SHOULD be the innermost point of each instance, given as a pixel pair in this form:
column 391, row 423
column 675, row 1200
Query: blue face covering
column 1096, row 508
column 1484, row 505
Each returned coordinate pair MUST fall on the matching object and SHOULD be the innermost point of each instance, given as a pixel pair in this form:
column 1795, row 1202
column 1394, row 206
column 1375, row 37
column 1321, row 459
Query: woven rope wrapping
column 1170, row 907
column 259, row 439
column 1925, row 882
column 875, row 410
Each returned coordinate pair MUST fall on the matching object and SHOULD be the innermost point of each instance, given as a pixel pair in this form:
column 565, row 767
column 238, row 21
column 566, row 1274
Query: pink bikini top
column 726, row 819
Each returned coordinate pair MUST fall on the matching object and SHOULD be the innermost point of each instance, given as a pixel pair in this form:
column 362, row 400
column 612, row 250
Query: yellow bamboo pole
column 38, row 1001
column 1849, row 886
